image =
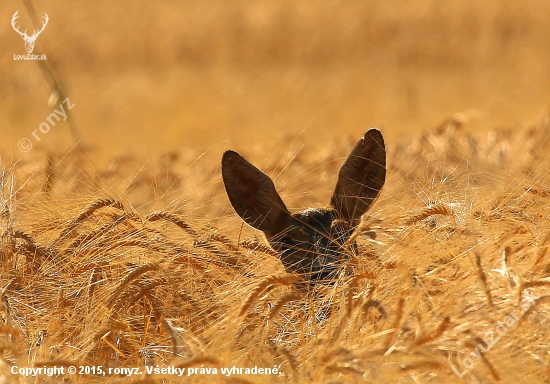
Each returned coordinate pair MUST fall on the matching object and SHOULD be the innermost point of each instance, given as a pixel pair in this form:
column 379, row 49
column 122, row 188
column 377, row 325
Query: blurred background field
column 125, row 251
column 156, row 76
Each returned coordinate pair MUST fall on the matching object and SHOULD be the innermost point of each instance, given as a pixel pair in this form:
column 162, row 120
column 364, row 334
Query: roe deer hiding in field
column 309, row 242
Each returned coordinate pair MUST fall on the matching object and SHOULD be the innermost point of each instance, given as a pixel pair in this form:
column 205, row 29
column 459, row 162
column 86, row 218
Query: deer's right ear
column 252, row 194
column 361, row 177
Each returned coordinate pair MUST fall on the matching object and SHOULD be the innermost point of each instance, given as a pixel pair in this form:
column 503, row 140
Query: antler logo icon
column 29, row 40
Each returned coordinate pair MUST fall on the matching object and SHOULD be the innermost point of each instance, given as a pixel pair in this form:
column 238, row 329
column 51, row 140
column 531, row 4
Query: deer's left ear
column 253, row 195
column 361, row 177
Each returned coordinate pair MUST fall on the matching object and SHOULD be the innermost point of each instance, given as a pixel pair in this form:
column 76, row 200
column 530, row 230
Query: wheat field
column 455, row 247
column 122, row 257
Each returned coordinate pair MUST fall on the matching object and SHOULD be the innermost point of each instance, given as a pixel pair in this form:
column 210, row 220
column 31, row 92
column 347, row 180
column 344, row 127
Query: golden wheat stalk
column 352, row 288
column 351, row 240
column 284, row 300
column 479, row 341
column 105, row 339
column 511, row 276
column 161, row 215
column 375, row 304
column 532, row 307
column 85, row 268
column 538, row 192
column 482, row 279
column 130, row 298
column 531, row 284
column 173, row 336
column 215, row 250
column 429, row 365
column 101, row 203
column 370, row 302
column 255, row 245
column 342, row 324
column 435, row 334
column 290, row 358
column 22, row 235
column 534, row 283
column 266, row 284
column 334, row 353
column 349, row 297
column 223, row 240
column 136, row 274
column 30, row 249
column 34, row 254
column 491, row 368
column 395, row 325
column 341, row 361
column 540, row 256
column 439, row 209
column 49, row 174
column 191, row 340
column 94, row 234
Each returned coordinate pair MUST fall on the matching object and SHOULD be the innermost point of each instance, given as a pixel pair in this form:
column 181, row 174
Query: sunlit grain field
column 149, row 76
column 121, row 254
column 450, row 277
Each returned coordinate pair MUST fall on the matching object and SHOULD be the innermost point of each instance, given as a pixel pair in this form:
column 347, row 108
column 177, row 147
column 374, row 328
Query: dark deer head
column 309, row 242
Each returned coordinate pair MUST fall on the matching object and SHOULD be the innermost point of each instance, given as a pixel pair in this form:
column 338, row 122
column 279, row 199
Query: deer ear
column 252, row 194
column 361, row 177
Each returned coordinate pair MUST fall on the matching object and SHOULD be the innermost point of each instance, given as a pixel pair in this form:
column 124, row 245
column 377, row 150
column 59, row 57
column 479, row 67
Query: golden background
column 125, row 251
column 154, row 76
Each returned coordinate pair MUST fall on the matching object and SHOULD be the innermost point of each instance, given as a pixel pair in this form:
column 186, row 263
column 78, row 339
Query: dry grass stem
column 482, row 279
column 439, row 209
